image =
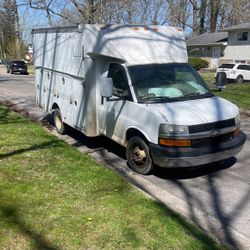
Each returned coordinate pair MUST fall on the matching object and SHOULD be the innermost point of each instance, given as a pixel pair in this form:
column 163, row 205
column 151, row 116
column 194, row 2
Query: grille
column 212, row 141
column 210, row 126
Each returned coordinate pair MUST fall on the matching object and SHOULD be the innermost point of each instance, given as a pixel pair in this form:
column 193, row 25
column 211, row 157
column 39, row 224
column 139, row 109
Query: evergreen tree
column 9, row 31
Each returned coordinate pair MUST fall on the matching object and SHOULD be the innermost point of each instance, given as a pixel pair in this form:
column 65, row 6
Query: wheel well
column 134, row 132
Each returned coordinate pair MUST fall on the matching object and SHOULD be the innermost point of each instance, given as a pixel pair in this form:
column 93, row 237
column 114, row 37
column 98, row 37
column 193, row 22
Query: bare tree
column 51, row 8
column 17, row 32
column 214, row 11
column 202, row 15
column 198, row 15
column 195, row 16
column 234, row 12
column 179, row 13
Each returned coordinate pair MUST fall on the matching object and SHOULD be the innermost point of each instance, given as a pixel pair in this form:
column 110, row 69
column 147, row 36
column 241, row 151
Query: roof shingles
column 242, row 26
column 208, row 39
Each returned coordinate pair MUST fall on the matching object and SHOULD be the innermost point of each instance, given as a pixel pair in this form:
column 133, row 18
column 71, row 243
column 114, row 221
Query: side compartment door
column 78, row 104
column 39, row 88
column 113, row 113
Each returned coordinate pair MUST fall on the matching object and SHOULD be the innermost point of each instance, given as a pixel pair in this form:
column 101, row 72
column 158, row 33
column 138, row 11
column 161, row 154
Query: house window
column 240, row 61
column 242, row 36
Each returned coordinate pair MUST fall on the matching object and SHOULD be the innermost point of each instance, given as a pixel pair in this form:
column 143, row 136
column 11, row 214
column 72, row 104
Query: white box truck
column 133, row 84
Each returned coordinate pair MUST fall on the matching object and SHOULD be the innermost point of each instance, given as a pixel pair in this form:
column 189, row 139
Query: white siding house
column 238, row 46
column 208, row 46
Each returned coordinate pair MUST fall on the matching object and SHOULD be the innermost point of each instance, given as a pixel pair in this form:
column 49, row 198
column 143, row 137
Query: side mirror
column 106, row 87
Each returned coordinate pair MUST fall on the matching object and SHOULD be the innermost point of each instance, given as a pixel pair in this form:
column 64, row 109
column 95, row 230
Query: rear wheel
column 60, row 126
column 138, row 156
column 239, row 79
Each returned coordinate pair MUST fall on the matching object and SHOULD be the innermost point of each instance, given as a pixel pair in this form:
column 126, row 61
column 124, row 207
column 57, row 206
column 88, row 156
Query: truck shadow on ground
column 97, row 143
column 194, row 172
column 209, row 173
column 211, row 199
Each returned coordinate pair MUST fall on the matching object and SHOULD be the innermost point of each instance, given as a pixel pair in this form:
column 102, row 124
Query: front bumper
column 189, row 157
column 21, row 70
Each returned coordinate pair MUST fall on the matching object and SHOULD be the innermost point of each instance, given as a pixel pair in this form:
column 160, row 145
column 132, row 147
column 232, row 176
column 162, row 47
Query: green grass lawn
column 238, row 93
column 54, row 197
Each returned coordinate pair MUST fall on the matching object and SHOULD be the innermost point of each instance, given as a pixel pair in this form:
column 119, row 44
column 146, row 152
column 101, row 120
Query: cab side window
column 120, row 82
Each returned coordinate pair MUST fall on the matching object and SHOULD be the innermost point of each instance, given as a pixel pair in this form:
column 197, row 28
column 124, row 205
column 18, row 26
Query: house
column 238, row 46
column 208, row 46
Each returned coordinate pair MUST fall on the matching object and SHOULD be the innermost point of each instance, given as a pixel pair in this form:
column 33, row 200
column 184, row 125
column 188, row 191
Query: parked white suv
column 235, row 71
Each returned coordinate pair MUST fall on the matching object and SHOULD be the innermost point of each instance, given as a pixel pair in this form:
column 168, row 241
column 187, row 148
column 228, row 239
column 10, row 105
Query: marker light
column 236, row 132
column 175, row 143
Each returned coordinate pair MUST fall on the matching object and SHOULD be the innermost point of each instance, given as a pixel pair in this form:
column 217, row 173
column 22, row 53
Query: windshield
column 19, row 63
column 167, row 82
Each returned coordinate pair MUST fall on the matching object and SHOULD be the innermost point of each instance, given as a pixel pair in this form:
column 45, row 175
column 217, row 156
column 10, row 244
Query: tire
column 11, row 71
column 239, row 79
column 138, row 156
column 59, row 125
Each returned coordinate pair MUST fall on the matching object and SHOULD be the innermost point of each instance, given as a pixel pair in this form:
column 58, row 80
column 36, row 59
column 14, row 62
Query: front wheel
column 239, row 79
column 138, row 156
column 60, row 126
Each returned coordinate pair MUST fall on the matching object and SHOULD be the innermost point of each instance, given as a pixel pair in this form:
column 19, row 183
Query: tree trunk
column 3, row 54
column 195, row 8
column 203, row 10
column 91, row 12
column 195, row 17
column 215, row 6
column 16, row 22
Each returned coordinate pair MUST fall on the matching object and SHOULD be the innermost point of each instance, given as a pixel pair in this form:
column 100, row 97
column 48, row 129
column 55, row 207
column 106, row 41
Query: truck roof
column 132, row 44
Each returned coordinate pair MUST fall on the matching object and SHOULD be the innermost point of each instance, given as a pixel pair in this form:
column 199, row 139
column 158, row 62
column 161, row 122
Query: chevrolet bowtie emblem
column 215, row 132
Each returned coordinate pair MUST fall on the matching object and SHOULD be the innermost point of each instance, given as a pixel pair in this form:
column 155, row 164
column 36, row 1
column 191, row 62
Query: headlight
column 237, row 120
column 170, row 130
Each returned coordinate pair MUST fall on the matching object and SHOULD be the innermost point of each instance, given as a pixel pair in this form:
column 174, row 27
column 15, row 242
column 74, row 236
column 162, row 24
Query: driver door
column 113, row 113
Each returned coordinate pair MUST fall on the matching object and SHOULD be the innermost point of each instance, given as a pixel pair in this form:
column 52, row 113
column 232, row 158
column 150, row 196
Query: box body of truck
column 133, row 85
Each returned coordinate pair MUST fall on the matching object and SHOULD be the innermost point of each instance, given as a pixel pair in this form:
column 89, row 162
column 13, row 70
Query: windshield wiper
column 194, row 94
column 153, row 99
column 198, row 94
column 157, row 99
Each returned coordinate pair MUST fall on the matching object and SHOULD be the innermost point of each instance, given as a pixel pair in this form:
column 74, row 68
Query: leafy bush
column 198, row 63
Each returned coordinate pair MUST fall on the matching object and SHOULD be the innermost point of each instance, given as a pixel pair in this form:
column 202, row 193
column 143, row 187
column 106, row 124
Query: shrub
column 197, row 63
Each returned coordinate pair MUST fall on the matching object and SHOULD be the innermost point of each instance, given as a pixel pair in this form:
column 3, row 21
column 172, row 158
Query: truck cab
column 165, row 115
